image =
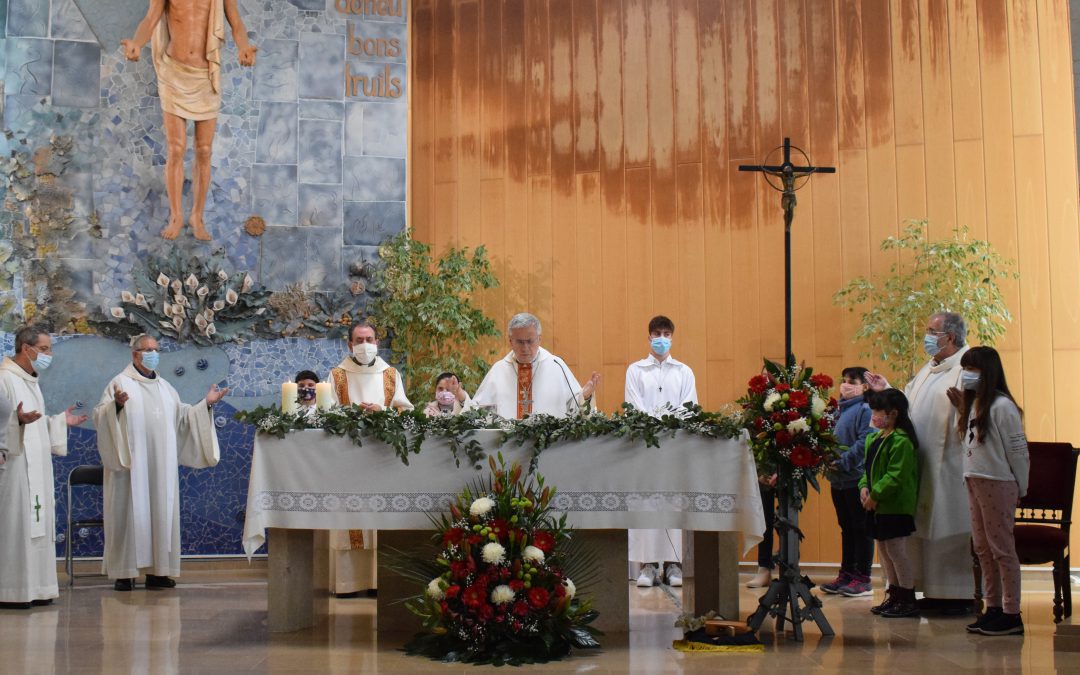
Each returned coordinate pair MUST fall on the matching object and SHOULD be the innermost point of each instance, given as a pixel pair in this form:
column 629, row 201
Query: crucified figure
column 186, row 39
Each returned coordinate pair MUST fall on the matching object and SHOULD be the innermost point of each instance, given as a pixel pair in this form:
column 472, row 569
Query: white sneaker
column 762, row 579
column 647, row 578
column 673, row 573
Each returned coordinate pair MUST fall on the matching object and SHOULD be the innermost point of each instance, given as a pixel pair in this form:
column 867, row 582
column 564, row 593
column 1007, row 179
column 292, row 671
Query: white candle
column 288, row 397
column 322, row 396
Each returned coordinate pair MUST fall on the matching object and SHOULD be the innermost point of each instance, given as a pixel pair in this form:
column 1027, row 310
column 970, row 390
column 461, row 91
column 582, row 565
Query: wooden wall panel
column 593, row 146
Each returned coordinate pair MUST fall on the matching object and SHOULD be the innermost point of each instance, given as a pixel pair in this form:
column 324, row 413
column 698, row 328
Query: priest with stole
column 530, row 379
column 27, row 510
column 365, row 380
column 145, row 432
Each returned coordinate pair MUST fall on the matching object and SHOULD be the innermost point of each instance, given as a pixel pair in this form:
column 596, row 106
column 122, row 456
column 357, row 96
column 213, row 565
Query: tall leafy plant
column 957, row 274
column 427, row 307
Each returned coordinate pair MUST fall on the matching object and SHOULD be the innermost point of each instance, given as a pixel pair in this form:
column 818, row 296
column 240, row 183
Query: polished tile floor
column 215, row 622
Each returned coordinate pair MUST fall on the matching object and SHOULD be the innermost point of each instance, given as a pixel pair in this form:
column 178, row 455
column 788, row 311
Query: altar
column 308, row 483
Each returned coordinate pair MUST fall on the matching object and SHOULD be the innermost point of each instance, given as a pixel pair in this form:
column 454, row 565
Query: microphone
column 566, row 378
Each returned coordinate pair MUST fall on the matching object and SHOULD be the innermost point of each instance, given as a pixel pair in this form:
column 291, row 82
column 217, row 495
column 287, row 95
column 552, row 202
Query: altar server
column 145, row 432
column 658, row 385
column 530, row 379
column 27, row 515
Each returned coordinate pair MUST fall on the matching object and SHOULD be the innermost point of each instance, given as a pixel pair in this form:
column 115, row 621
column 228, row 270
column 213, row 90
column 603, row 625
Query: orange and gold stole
column 524, row 390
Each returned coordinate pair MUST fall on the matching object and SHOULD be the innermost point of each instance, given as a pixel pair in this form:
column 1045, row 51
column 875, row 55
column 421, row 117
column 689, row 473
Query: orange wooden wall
column 593, row 146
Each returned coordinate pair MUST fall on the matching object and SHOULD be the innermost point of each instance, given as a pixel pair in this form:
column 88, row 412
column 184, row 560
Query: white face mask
column 365, row 352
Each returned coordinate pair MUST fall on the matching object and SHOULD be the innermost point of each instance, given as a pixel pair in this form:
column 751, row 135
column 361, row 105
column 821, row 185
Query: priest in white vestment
column 145, row 432
column 940, row 547
column 658, row 385
column 27, row 509
column 530, row 379
column 365, row 380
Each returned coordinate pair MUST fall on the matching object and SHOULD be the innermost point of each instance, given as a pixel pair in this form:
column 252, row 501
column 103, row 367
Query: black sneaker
column 1003, row 624
column 42, row 603
column 154, row 581
column 124, row 585
column 991, row 612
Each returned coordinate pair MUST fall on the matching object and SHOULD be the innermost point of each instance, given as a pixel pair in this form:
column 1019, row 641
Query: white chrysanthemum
column 493, row 553
column 571, row 589
column 502, row 594
column 481, row 506
column 817, row 406
column 771, row 400
column 532, row 553
column 435, row 590
column 795, row 426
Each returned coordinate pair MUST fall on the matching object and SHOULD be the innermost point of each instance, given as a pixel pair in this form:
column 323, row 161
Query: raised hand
column 131, row 52
column 120, row 396
column 590, row 387
column 875, row 381
column 956, row 396
column 26, row 417
column 213, row 395
column 72, row 419
column 459, row 391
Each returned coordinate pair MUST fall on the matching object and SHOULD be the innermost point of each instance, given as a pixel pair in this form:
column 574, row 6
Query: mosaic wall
column 312, row 139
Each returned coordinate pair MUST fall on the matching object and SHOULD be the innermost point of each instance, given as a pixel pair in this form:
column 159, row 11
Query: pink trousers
column 993, row 514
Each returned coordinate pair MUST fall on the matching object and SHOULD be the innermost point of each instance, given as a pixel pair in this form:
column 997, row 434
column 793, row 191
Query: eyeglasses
column 931, row 331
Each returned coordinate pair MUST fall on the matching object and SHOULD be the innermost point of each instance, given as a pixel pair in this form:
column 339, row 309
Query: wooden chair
column 1044, row 517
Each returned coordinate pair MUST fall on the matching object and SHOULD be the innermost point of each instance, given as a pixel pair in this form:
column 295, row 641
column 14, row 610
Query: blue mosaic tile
column 376, row 41
column 320, row 151
column 68, row 22
column 259, row 367
column 3, row 17
column 319, row 205
column 76, row 74
column 384, row 129
column 29, row 66
column 322, row 110
column 322, row 59
column 374, row 179
column 370, row 223
column 309, row 255
column 277, row 134
column 274, row 196
column 27, row 18
column 275, row 70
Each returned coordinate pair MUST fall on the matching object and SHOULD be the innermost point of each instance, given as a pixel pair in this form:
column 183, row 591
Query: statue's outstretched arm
column 133, row 46
column 239, row 32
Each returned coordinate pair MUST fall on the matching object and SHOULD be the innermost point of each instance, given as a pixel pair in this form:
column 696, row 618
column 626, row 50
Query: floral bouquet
column 791, row 419
column 501, row 590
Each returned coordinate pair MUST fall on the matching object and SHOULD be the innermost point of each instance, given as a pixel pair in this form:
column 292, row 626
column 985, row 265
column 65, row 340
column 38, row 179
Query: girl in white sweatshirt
column 996, row 473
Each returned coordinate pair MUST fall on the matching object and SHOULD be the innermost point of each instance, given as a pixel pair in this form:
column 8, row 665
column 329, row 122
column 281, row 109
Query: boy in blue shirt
column 852, row 428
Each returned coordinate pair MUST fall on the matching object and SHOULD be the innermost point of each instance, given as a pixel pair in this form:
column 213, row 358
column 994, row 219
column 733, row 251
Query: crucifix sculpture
column 791, row 587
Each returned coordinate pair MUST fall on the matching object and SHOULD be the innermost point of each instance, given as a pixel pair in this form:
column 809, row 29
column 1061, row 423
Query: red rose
column 798, row 399
column 783, row 387
column 500, row 527
column 459, row 569
column 453, row 536
column 759, row 423
column 544, row 541
column 520, row 608
column 538, row 598
column 758, row 384
column 801, row 456
column 474, row 596
column 821, row 381
column 486, row 612
column 475, row 539
column 782, row 438
column 516, row 585
column 444, row 607
column 452, row 591
column 560, row 590
column 823, row 424
column 792, row 415
column 833, row 404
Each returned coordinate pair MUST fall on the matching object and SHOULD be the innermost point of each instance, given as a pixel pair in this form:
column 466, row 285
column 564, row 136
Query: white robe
column 555, row 391
column 940, row 548
column 27, row 509
column 353, row 570
column 141, row 448
column 651, row 386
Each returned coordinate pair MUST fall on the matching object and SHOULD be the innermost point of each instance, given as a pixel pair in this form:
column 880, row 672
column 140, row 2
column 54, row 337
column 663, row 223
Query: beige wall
column 593, row 146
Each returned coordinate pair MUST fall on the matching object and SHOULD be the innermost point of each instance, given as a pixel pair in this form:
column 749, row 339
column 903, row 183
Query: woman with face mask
column 996, row 465
column 450, row 396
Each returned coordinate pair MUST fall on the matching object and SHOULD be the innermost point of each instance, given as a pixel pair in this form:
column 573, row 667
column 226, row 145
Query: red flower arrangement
column 500, row 590
column 791, row 419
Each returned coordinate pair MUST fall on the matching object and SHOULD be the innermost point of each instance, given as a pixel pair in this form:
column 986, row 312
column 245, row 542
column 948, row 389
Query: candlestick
column 288, row 397
column 323, row 399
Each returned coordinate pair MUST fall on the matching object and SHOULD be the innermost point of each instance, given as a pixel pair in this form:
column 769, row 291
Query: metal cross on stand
column 791, row 586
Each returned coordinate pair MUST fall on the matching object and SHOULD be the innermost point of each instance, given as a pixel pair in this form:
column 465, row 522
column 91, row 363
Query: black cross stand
column 791, row 587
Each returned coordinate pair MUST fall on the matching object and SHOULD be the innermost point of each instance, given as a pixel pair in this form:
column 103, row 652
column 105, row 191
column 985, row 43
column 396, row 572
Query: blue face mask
column 41, row 362
column 660, row 345
column 930, row 345
column 969, row 380
column 150, row 360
